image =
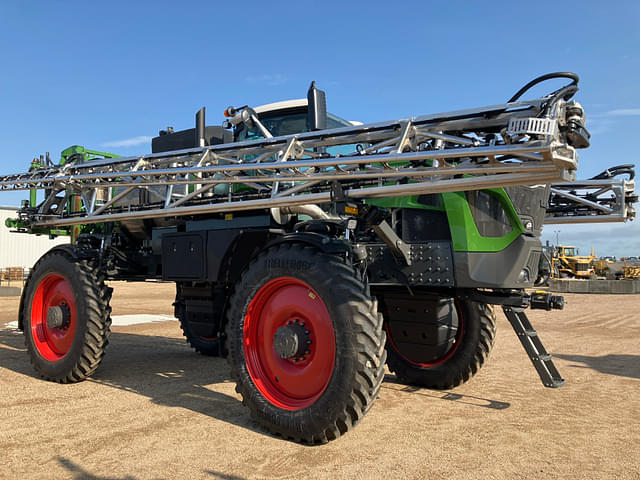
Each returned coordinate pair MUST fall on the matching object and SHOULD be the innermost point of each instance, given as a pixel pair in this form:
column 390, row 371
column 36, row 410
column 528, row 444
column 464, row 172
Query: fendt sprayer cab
column 308, row 250
column 462, row 240
column 486, row 229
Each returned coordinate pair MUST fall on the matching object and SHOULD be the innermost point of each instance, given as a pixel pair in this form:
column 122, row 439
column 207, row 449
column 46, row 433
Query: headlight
column 523, row 276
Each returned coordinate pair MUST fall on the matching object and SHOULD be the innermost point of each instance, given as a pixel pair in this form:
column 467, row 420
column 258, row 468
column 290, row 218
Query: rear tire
column 208, row 346
column 468, row 352
column 329, row 363
column 212, row 346
column 66, row 317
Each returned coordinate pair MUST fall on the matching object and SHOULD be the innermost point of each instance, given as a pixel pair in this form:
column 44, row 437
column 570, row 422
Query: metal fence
column 13, row 276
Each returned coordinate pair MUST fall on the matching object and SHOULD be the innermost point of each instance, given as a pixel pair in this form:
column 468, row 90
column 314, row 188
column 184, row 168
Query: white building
column 22, row 249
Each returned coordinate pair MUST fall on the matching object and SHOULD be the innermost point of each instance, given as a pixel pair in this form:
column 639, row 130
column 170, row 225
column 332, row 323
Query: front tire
column 66, row 317
column 306, row 344
column 417, row 359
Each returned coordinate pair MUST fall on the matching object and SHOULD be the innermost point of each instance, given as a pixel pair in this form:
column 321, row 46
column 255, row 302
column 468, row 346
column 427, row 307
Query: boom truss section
column 517, row 143
column 600, row 199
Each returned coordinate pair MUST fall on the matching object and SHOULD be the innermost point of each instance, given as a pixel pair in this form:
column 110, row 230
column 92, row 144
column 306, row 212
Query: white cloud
column 623, row 112
column 617, row 112
column 599, row 123
column 128, row 142
column 268, row 79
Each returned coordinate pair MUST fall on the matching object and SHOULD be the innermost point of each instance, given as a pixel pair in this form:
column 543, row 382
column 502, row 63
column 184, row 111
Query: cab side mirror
column 316, row 108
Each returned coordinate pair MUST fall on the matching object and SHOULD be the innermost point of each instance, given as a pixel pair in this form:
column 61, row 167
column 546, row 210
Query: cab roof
column 284, row 104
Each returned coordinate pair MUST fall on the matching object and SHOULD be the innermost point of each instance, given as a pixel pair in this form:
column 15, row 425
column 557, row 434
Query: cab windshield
column 284, row 122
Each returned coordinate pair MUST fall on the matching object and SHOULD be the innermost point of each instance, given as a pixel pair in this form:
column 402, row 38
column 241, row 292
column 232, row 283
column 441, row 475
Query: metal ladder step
column 540, row 358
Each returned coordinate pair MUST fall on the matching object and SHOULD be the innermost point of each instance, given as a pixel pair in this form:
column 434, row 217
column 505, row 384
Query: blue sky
column 109, row 75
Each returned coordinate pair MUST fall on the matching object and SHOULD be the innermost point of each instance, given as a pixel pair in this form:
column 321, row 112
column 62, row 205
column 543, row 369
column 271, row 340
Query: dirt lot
column 155, row 410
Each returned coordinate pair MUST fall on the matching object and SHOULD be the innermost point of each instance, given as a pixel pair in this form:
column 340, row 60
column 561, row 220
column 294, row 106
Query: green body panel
column 12, row 223
column 464, row 233
column 86, row 153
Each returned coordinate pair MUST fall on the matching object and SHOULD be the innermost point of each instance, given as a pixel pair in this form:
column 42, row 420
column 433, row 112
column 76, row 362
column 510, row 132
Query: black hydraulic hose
column 543, row 78
column 615, row 171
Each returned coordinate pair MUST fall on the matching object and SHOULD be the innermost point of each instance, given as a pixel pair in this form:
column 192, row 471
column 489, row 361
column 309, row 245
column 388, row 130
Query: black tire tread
column 97, row 296
column 203, row 347
column 369, row 339
column 459, row 370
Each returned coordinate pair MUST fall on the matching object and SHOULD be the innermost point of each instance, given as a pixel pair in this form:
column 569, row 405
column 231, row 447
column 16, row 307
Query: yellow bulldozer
column 567, row 263
column 631, row 270
column 612, row 269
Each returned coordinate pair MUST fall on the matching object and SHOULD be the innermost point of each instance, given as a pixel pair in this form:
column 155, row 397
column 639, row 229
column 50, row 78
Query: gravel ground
column 156, row 410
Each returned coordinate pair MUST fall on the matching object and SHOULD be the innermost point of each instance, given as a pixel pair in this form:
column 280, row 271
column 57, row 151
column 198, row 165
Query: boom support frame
column 517, row 143
column 600, row 199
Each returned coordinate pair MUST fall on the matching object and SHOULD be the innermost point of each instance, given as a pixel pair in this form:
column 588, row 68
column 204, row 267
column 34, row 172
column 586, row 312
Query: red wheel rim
column 449, row 353
column 296, row 382
column 52, row 342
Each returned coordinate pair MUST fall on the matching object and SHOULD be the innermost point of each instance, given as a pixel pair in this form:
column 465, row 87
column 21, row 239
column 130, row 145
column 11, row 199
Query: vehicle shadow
column 391, row 383
column 79, row 473
column 169, row 373
column 223, row 476
column 163, row 369
column 621, row 365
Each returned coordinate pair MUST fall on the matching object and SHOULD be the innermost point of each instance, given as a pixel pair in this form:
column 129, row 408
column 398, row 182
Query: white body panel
column 21, row 249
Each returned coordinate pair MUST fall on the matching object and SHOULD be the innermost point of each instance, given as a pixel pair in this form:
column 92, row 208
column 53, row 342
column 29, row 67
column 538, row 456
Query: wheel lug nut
column 301, row 359
column 307, row 352
column 308, row 342
column 306, row 332
column 302, row 324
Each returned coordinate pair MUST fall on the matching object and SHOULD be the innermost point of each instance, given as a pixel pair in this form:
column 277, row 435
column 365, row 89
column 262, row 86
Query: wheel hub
column 291, row 340
column 58, row 316
column 284, row 321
